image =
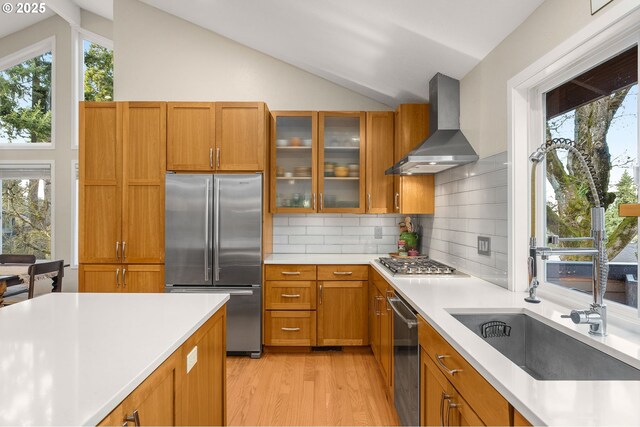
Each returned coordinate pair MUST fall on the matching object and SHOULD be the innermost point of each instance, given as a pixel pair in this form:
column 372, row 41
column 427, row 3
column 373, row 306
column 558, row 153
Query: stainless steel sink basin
column 543, row 352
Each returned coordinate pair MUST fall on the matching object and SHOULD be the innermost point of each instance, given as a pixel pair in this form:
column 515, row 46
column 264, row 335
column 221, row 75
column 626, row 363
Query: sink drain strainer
column 495, row 329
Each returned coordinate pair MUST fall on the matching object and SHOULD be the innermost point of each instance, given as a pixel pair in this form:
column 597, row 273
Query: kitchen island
column 74, row 359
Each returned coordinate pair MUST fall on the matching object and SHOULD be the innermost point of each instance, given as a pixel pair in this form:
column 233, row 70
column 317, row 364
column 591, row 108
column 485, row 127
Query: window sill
column 28, row 146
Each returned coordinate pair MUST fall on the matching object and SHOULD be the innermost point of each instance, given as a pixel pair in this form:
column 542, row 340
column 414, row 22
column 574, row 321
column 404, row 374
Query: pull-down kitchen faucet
column 596, row 315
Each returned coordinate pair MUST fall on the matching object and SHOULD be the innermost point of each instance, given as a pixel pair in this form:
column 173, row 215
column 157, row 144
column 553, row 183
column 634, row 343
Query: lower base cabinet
column 172, row 396
column 342, row 313
column 452, row 392
column 134, row 278
column 381, row 321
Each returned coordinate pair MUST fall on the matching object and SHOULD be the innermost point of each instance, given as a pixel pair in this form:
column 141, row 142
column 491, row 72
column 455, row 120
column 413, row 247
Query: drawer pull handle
column 343, row 273
column 290, row 329
column 290, row 295
column 291, row 273
column 134, row 418
column 443, row 397
column 440, row 358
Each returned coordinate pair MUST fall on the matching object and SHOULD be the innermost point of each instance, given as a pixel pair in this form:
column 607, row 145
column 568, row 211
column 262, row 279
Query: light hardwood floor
column 317, row 388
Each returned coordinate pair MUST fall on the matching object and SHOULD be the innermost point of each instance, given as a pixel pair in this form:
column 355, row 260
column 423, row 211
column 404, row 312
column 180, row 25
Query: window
column 26, row 96
column 599, row 111
column 97, row 71
column 26, row 209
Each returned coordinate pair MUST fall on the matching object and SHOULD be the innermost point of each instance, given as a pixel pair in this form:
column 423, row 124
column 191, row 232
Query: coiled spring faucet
column 596, row 315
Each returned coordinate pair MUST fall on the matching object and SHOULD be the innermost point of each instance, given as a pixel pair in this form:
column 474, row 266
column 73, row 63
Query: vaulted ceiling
column 387, row 50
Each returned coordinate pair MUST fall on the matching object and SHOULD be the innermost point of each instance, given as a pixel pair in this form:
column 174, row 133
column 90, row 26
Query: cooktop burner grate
column 416, row 266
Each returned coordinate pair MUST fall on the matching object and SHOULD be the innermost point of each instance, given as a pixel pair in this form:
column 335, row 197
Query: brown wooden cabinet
column 241, row 136
column 382, row 325
column 412, row 194
column 221, row 136
column 380, row 146
column 191, row 136
column 309, row 305
column 469, row 399
column 121, row 181
column 342, row 313
column 134, row 278
column 294, row 161
column 341, row 144
column 171, row 395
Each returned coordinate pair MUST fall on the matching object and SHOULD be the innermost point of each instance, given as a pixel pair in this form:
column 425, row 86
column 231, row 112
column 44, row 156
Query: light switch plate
column 377, row 232
column 192, row 358
column 484, row 245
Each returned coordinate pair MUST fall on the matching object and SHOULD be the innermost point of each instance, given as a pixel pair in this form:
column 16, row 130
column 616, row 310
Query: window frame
column 526, row 121
column 77, row 75
column 24, row 54
column 75, row 190
column 52, row 167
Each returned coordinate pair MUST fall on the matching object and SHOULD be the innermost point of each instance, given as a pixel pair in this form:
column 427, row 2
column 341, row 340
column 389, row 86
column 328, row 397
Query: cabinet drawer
column 490, row 406
column 290, row 295
column 343, row 272
column 290, row 272
column 290, row 328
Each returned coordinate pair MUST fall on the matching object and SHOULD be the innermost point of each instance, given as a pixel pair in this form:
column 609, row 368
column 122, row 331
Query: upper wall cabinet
column 294, row 161
column 241, row 136
column 223, row 136
column 341, row 160
column 191, row 132
column 379, row 187
column 413, row 194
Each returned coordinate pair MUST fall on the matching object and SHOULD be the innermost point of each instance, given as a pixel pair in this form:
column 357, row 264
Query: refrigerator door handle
column 216, row 231
column 206, row 232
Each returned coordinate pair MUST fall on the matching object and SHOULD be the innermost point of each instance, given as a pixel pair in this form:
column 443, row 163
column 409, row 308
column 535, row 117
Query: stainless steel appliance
column 213, row 236
column 406, row 362
column 419, row 266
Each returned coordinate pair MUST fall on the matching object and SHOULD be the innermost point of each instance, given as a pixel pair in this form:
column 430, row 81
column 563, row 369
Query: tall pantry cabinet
column 122, row 163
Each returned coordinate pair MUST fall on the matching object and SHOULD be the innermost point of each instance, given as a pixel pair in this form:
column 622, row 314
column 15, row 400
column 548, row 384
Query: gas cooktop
column 418, row 266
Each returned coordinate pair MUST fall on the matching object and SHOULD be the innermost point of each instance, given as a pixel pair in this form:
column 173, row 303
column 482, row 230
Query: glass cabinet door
column 341, row 162
column 293, row 161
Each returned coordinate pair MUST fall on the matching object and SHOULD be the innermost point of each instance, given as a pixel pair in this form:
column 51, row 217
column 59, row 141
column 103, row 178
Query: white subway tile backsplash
column 324, row 249
column 471, row 201
column 306, row 240
column 337, row 233
column 280, row 240
column 287, row 231
column 306, row 220
column 325, row 231
column 288, row 249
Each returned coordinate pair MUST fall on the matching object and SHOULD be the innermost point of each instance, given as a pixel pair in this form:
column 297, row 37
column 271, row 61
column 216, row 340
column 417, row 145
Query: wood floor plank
column 315, row 388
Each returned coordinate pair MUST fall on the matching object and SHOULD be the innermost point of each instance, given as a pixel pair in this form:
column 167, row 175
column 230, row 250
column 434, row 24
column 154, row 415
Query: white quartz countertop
column 541, row 402
column 69, row 359
column 322, row 258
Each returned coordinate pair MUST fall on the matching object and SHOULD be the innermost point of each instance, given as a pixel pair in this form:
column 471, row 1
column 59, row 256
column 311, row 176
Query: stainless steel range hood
column 446, row 146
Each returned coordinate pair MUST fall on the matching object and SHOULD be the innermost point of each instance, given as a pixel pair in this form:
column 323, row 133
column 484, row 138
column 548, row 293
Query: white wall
column 483, row 115
column 63, row 154
column 161, row 57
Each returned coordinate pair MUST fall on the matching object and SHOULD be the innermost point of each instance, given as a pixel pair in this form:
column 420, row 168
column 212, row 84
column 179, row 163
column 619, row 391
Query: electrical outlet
column 484, row 245
column 377, row 232
column 192, row 358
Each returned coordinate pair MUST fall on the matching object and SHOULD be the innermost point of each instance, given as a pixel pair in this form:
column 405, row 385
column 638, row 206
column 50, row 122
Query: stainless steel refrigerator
column 214, row 244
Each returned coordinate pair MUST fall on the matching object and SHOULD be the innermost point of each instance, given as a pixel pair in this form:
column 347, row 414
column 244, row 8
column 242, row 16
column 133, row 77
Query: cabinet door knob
column 218, row 157
column 397, row 201
column 290, row 273
column 290, row 329
column 290, row 295
column 320, row 295
column 117, row 278
column 369, row 201
column 321, row 202
column 117, row 250
column 124, row 250
column 210, row 158
column 124, row 277
column 314, row 201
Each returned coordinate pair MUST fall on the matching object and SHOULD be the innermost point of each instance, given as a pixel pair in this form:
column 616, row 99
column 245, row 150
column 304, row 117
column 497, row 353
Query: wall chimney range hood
column 446, row 146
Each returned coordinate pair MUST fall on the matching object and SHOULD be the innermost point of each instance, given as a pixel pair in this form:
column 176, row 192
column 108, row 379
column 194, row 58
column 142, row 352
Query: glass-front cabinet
column 294, row 160
column 317, row 162
column 341, row 159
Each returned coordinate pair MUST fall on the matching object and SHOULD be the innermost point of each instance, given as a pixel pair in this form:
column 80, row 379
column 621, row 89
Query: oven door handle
column 411, row 323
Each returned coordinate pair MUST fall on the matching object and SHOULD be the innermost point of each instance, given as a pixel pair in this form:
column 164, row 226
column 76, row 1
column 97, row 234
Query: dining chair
column 34, row 271
column 17, row 259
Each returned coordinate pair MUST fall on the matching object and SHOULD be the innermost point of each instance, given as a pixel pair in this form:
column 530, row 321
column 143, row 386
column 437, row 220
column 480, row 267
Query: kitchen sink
column 544, row 352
